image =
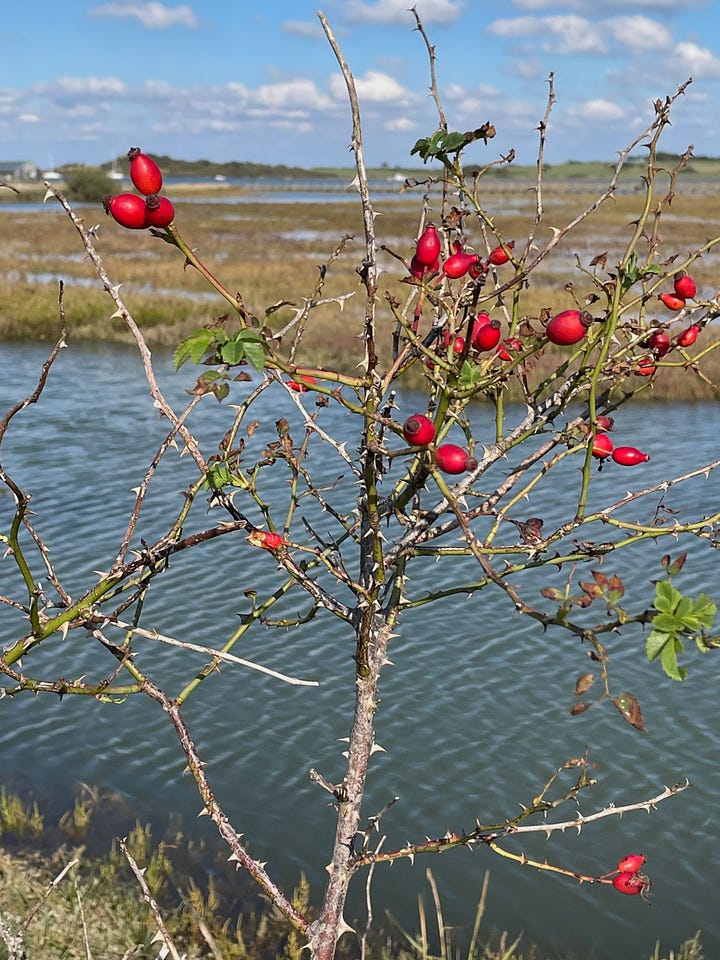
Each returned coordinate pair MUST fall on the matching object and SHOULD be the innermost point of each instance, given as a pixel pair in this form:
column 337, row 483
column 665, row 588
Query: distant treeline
column 207, row 168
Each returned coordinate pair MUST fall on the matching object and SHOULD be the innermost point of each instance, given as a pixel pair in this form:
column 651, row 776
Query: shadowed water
column 474, row 712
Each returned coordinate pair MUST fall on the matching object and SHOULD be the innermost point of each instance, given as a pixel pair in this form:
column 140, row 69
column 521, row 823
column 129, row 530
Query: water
column 474, row 712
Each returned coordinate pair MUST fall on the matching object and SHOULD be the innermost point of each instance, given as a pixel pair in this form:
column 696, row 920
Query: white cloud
column 400, row 124
column 456, row 92
column 304, row 28
column 639, row 33
column 373, row 87
column 562, row 33
column 300, row 95
column 590, row 7
column 398, row 11
column 697, row 61
column 29, row 118
column 156, row 16
column 600, row 109
column 65, row 87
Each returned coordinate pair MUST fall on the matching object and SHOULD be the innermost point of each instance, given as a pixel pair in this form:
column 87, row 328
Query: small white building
column 21, row 170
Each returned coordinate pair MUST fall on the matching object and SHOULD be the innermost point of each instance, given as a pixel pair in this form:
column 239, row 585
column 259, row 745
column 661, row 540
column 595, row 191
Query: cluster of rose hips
column 685, row 289
column 628, row 879
column 419, row 431
column 426, row 259
column 139, row 212
column 603, row 446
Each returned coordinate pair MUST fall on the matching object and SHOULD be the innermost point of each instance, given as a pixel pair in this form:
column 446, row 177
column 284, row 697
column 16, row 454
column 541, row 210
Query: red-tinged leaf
column 629, row 707
column 578, row 708
column 591, row 589
column 552, row 593
column 599, row 260
column 677, row 564
column 599, row 578
column 617, row 587
column 665, row 561
column 583, row 683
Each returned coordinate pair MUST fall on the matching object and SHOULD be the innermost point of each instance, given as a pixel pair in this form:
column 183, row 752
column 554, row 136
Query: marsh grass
column 273, row 252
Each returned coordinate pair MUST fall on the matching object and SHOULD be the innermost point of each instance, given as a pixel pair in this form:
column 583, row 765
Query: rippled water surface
column 474, row 712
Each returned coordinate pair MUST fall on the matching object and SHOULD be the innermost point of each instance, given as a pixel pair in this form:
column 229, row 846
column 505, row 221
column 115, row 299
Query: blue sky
column 232, row 80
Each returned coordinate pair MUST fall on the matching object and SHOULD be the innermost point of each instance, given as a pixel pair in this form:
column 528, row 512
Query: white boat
column 52, row 175
column 220, row 177
column 113, row 173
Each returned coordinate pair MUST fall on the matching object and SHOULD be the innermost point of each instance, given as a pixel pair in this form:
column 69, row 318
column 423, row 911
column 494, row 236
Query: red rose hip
column 453, row 459
column 127, row 209
column 568, row 327
column 144, row 172
column 688, row 337
column 629, row 883
column 685, row 286
column 602, row 446
column 629, row 456
column 419, row 430
column 632, row 863
column 499, row 256
column 672, row 301
column 428, row 246
column 159, row 211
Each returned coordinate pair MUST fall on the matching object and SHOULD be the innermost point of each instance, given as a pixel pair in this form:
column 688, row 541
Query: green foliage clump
column 87, row 184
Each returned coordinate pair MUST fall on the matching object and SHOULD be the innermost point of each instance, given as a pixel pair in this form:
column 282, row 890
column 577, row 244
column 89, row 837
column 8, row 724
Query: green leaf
column 194, row 347
column 666, row 596
column 655, row 642
column 666, row 623
column 256, row 352
column 705, row 610
column 453, row 141
column 668, row 658
column 232, row 352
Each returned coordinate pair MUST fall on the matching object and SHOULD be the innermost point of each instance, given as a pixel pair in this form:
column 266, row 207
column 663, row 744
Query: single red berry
column 688, row 337
column 568, row 327
column 659, row 343
column 602, row 446
column 127, row 209
column 498, row 256
column 645, row 367
column 428, row 246
column 419, row 430
column 144, row 172
column 453, row 459
column 629, row 456
column 603, row 422
column 458, row 264
column 509, row 348
column 632, row 863
column 685, row 286
column 459, row 345
column 672, row 301
column 629, row 883
column 301, row 384
column 160, row 211
column 487, row 336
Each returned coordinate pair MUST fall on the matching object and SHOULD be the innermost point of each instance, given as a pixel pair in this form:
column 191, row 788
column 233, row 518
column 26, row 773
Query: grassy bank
column 67, row 891
column 273, row 252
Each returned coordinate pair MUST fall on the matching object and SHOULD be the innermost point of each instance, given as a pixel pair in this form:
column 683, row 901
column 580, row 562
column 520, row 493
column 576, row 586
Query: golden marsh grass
column 272, row 252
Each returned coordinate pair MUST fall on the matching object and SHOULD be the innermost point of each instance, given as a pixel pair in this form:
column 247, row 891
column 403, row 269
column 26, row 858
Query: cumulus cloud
column 562, row 33
column 589, row 7
column 397, row 11
column 697, row 61
column 639, row 33
column 155, row 16
column 373, row 87
column 600, row 109
column 83, row 87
